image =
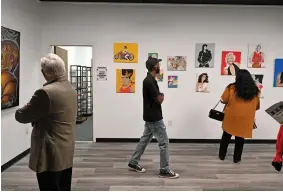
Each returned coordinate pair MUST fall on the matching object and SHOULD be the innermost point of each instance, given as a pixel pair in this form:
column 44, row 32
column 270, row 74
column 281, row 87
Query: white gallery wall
column 22, row 16
column 170, row 31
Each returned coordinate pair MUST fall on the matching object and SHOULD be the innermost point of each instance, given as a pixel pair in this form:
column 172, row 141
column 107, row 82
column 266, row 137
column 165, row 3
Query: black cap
column 151, row 62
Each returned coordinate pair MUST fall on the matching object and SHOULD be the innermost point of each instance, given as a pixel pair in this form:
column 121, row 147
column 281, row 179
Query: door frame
column 92, row 45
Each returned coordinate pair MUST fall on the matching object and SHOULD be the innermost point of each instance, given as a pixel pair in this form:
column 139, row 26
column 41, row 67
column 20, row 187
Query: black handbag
column 216, row 115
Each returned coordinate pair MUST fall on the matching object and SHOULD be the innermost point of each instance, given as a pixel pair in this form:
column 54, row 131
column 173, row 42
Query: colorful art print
column 177, row 63
column 153, row 55
column 125, row 52
column 204, row 54
column 258, row 79
column 125, row 80
column 172, row 81
column 202, row 84
column 255, row 56
column 278, row 73
column 230, row 62
column 10, row 68
column 159, row 76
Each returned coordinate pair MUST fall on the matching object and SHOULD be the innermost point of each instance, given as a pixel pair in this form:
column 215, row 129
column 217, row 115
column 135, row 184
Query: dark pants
column 238, row 149
column 55, row 181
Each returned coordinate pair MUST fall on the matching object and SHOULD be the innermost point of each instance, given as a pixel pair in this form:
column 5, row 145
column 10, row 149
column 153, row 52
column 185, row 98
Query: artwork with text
column 125, row 80
column 204, row 55
column 278, row 73
column 172, row 81
column 177, row 63
column 10, row 67
column 125, row 52
column 258, row 79
column 230, row 62
column 202, row 83
column 256, row 56
column 159, row 76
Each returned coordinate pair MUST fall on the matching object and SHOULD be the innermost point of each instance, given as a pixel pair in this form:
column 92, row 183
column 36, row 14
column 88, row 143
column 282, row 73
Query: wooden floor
column 103, row 167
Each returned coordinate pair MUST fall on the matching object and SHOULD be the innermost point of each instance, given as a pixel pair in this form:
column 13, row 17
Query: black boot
column 277, row 165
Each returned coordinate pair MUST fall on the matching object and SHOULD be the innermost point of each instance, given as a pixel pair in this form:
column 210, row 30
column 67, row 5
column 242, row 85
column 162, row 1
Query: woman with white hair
column 52, row 112
column 231, row 66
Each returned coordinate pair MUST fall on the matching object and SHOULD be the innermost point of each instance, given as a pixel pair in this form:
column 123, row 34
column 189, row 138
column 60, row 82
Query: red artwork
column 230, row 62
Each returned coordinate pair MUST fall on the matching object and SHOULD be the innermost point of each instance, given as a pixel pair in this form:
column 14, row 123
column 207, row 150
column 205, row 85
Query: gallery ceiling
column 223, row 2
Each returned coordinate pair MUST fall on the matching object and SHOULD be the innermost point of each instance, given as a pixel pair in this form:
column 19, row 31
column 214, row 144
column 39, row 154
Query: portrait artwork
column 125, row 52
column 230, row 62
column 159, row 76
column 172, row 81
column 153, row 55
column 125, row 80
column 255, row 56
column 258, row 79
column 202, row 84
column 177, row 63
column 278, row 73
column 204, row 54
column 10, row 68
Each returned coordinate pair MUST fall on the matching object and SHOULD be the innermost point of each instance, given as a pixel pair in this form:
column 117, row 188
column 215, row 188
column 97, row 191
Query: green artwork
column 153, row 55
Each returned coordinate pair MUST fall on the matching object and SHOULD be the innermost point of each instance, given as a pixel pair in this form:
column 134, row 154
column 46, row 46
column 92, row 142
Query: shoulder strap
column 217, row 104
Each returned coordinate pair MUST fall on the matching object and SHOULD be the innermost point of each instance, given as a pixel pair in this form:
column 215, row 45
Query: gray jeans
column 158, row 130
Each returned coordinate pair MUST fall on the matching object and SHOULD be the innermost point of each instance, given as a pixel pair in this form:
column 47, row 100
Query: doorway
column 78, row 63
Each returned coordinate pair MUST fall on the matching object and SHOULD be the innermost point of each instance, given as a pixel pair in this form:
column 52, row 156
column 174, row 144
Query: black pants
column 238, row 150
column 55, row 181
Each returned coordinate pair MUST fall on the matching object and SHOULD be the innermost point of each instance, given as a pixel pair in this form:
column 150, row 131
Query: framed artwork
column 204, row 55
column 125, row 52
column 202, row 83
column 258, row 79
column 255, row 56
column 278, row 73
column 172, row 81
column 125, row 80
column 159, row 76
column 177, row 63
column 153, row 55
column 10, row 68
column 230, row 62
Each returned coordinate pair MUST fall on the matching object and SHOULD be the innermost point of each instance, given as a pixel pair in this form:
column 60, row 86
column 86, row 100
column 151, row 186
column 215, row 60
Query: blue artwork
column 278, row 73
column 172, row 81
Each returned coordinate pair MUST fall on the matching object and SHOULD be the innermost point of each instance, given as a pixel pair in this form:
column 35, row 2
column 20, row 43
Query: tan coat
column 52, row 112
column 239, row 114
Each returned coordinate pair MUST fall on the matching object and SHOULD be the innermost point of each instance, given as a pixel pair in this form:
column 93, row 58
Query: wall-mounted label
column 101, row 73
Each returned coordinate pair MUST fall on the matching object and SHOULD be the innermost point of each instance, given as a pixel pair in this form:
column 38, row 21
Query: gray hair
column 53, row 65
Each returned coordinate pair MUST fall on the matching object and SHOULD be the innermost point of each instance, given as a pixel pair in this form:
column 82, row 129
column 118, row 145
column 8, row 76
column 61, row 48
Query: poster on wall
column 10, row 68
column 153, row 55
column 230, row 62
column 176, row 63
column 204, row 54
column 159, row 76
column 101, row 73
column 125, row 52
column 255, row 56
column 125, row 80
column 258, row 79
column 172, row 81
column 276, row 112
column 202, row 84
column 278, row 73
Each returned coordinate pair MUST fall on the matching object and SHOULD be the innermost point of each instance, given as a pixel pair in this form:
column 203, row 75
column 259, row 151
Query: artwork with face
column 10, row 68
column 278, row 73
column 204, row 54
column 202, row 83
column 259, row 83
column 177, row 63
column 256, row 56
column 159, row 76
column 172, row 81
column 125, row 52
column 153, row 55
column 230, row 62
column 125, row 80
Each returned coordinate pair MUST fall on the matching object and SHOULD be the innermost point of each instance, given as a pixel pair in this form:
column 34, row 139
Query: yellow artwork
column 125, row 52
column 125, row 81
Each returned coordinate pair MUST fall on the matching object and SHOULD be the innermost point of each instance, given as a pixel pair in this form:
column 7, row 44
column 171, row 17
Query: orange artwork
column 10, row 68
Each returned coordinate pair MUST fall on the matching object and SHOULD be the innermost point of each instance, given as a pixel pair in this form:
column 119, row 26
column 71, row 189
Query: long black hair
column 200, row 77
column 245, row 86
